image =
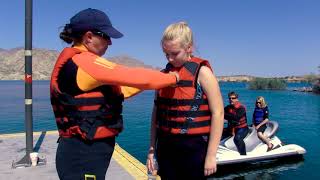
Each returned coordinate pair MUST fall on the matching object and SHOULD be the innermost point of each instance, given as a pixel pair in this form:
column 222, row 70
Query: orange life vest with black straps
column 184, row 109
column 93, row 114
column 237, row 120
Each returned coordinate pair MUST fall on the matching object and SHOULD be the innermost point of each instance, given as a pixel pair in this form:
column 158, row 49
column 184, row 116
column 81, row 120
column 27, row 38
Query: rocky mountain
column 43, row 60
column 128, row 61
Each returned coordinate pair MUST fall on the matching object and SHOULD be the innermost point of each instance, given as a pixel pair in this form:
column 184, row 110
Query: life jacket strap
column 90, row 125
column 184, row 83
column 88, row 114
column 164, row 113
column 66, row 99
column 179, row 102
column 183, row 125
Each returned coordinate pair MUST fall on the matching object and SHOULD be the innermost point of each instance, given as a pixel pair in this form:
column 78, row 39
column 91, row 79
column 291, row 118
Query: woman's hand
column 150, row 162
column 176, row 74
column 210, row 165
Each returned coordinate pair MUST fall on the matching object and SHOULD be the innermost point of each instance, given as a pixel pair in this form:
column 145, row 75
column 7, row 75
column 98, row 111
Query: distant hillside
column 128, row 61
column 43, row 60
column 236, row 78
column 247, row 78
column 12, row 66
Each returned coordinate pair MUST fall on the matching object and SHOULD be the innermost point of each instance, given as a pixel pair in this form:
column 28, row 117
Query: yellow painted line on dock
column 24, row 134
column 134, row 167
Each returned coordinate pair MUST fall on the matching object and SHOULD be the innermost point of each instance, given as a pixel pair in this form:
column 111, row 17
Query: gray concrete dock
column 123, row 166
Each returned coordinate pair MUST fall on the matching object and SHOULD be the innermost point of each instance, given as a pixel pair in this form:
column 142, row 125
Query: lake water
column 298, row 115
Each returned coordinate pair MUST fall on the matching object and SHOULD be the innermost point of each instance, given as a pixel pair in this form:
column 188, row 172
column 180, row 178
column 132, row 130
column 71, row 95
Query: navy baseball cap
column 93, row 19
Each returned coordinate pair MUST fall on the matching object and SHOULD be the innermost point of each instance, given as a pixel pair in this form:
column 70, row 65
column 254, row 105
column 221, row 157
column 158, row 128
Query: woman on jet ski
column 260, row 119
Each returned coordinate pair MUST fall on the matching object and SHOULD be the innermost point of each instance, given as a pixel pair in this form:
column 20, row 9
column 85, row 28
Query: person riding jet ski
column 235, row 114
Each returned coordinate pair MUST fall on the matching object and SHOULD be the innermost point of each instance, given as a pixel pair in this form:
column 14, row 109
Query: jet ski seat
column 252, row 140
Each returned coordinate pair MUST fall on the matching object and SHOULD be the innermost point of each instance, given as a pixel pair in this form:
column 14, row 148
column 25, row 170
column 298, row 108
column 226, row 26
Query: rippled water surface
column 298, row 115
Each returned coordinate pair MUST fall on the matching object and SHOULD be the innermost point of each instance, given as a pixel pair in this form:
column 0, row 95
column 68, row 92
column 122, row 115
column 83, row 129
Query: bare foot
column 270, row 147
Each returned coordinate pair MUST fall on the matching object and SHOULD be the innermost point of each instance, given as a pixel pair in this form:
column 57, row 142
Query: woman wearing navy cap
column 87, row 92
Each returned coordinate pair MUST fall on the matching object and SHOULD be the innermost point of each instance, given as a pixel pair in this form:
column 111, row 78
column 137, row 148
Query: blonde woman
column 187, row 119
column 259, row 120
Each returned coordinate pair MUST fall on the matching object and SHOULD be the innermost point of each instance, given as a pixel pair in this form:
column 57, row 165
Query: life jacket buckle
column 183, row 131
column 185, row 126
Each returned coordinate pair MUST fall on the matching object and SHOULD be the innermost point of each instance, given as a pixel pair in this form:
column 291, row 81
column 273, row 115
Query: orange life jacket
column 184, row 109
column 94, row 114
column 236, row 122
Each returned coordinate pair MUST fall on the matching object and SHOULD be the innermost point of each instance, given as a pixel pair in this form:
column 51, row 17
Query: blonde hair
column 178, row 31
column 262, row 101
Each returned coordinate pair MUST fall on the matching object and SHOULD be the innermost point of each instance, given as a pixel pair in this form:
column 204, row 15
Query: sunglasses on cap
column 101, row 34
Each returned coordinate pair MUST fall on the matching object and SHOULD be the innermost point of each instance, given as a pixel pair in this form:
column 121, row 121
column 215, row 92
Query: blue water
column 298, row 115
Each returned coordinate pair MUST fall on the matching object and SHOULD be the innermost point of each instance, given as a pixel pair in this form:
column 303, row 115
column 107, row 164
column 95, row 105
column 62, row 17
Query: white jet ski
column 256, row 150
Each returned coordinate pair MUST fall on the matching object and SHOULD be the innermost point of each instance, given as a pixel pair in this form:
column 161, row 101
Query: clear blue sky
column 252, row 37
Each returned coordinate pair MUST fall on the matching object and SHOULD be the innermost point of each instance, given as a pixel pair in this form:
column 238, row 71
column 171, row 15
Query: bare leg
column 264, row 139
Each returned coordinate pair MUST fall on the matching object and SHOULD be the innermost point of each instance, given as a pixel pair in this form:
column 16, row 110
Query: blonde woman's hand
column 210, row 165
column 176, row 74
column 150, row 162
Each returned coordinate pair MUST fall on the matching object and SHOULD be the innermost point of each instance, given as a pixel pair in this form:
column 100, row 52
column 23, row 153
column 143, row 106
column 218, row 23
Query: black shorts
column 77, row 159
column 262, row 128
column 181, row 156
